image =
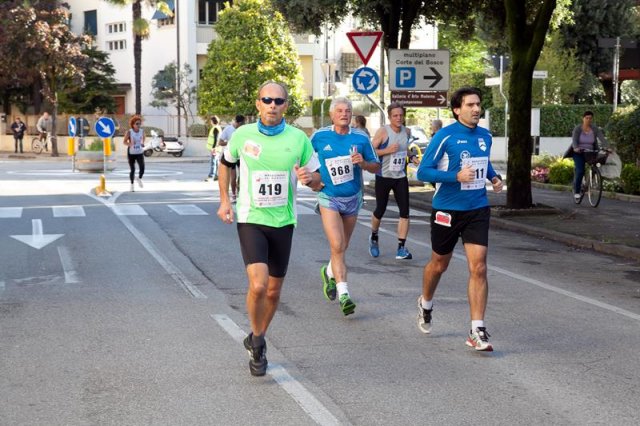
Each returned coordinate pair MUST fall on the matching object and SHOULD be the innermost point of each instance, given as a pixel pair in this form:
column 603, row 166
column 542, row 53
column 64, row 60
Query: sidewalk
column 611, row 228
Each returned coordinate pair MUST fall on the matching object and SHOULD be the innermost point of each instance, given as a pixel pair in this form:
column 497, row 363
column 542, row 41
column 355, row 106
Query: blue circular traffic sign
column 365, row 80
column 105, row 127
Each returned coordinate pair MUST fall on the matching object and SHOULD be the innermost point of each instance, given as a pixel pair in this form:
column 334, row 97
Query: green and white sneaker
column 346, row 304
column 328, row 284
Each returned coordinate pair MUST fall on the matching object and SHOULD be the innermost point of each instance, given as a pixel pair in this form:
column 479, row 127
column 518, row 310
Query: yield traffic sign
column 365, row 42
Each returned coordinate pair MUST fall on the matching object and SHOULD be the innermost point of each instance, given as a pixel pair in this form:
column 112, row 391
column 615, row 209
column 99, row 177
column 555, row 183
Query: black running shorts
column 266, row 244
column 400, row 188
column 448, row 225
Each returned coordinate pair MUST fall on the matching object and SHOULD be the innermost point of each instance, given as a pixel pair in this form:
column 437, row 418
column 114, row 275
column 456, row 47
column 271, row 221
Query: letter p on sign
column 406, row 77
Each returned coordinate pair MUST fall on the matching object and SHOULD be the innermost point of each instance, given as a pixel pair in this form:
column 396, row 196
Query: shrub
column 630, row 179
column 197, row 130
column 561, row 172
column 540, row 174
column 544, row 160
column 98, row 145
column 622, row 131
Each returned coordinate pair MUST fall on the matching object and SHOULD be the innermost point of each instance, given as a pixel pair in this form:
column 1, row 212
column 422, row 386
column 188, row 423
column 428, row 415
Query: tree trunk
column 519, row 129
column 526, row 41
column 137, row 57
column 607, row 86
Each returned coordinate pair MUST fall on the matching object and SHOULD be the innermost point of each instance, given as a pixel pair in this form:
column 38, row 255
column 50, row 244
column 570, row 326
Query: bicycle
column 37, row 146
column 592, row 179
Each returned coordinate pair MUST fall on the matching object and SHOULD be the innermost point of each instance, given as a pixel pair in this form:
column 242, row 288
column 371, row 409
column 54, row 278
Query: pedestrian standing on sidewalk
column 457, row 159
column 275, row 156
column 391, row 144
column 134, row 140
column 18, row 128
column 212, row 142
column 342, row 152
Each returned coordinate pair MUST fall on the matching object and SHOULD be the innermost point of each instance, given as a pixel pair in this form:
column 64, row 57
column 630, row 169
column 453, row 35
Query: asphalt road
column 132, row 312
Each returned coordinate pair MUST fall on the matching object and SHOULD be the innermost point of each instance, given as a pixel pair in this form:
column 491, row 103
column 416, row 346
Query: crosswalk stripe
column 68, row 211
column 129, row 210
column 9, row 212
column 187, row 210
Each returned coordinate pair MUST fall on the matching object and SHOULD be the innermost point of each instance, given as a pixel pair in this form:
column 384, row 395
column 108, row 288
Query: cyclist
column 43, row 126
column 586, row 136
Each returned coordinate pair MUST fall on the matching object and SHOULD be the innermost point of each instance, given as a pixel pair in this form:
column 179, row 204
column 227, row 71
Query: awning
column 159, row 15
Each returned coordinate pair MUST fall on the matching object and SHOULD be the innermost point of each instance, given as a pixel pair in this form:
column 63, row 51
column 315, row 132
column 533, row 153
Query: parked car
column 418, row 138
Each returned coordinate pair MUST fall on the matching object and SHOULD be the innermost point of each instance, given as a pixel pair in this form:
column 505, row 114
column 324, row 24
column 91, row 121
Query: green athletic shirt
column 268, row 180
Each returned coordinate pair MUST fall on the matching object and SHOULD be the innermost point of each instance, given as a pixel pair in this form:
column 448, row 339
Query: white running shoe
column 424, row 318
column 139, row 182
column 132, row 189
column 479, row 339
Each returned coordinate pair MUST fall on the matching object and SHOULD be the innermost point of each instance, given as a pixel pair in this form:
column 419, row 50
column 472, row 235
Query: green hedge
column 197, row 130
column 555, row 120
column 630, row 179
column 623, row 132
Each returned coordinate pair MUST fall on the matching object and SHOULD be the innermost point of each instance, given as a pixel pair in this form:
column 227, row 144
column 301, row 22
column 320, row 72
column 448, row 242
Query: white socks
column 342, row 288
column 476, row 323
column 330, row 271
column 426, row 304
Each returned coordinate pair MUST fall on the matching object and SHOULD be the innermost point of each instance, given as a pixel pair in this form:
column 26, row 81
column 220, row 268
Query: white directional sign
column 37, row 239
column 365, row 80
column 492, row 81
column 540, row 74
column 419, row 70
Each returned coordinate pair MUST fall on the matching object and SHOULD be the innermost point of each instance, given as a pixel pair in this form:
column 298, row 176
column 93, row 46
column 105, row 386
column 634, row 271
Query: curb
column 571, row 240
column 606, row 194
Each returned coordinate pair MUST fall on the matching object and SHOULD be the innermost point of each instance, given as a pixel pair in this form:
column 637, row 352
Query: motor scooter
column 158, row 143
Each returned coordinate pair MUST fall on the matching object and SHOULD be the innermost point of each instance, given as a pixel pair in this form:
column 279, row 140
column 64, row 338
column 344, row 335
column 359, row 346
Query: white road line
column 166, row 264
column 70, row 274
column 10, row 212
column 305, row 399
column 188, row 210
column 128, row 210
column 532, row 281
column 68, row 211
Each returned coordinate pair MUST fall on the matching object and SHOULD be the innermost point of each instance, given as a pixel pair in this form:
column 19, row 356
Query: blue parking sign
column 406, row 77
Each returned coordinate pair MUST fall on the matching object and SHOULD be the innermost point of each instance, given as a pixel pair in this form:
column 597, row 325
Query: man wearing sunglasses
column 274, row 157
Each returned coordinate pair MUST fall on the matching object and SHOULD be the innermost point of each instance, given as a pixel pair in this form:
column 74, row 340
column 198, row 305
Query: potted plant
column 91, row 157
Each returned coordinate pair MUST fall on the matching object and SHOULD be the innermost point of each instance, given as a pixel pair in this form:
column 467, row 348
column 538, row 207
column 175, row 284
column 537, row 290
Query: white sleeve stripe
column 440, row 146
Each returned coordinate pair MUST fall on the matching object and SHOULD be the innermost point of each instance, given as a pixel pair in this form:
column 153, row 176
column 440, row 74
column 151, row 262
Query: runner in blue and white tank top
column 457, row 159
column 342, row 152
column 134, row 140
column 390, row 143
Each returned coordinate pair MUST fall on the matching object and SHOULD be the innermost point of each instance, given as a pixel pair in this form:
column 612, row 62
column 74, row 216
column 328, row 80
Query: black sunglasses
column 278, row 101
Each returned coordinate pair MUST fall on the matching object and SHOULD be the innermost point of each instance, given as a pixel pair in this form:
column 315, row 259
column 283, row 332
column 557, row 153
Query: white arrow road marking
column 70, row 274
column 7, row 212
column 37, row 239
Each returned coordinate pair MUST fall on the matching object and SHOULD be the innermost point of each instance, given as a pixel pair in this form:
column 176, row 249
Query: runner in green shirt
column 273, row 158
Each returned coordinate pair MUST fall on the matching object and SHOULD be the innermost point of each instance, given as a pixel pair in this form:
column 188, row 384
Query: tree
column 165, row 89
column 54, row 52
column 140, row 32
column 253, row 46
column 99, row 86
column 594, row 19
column 395, row 18
column 564, row 71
